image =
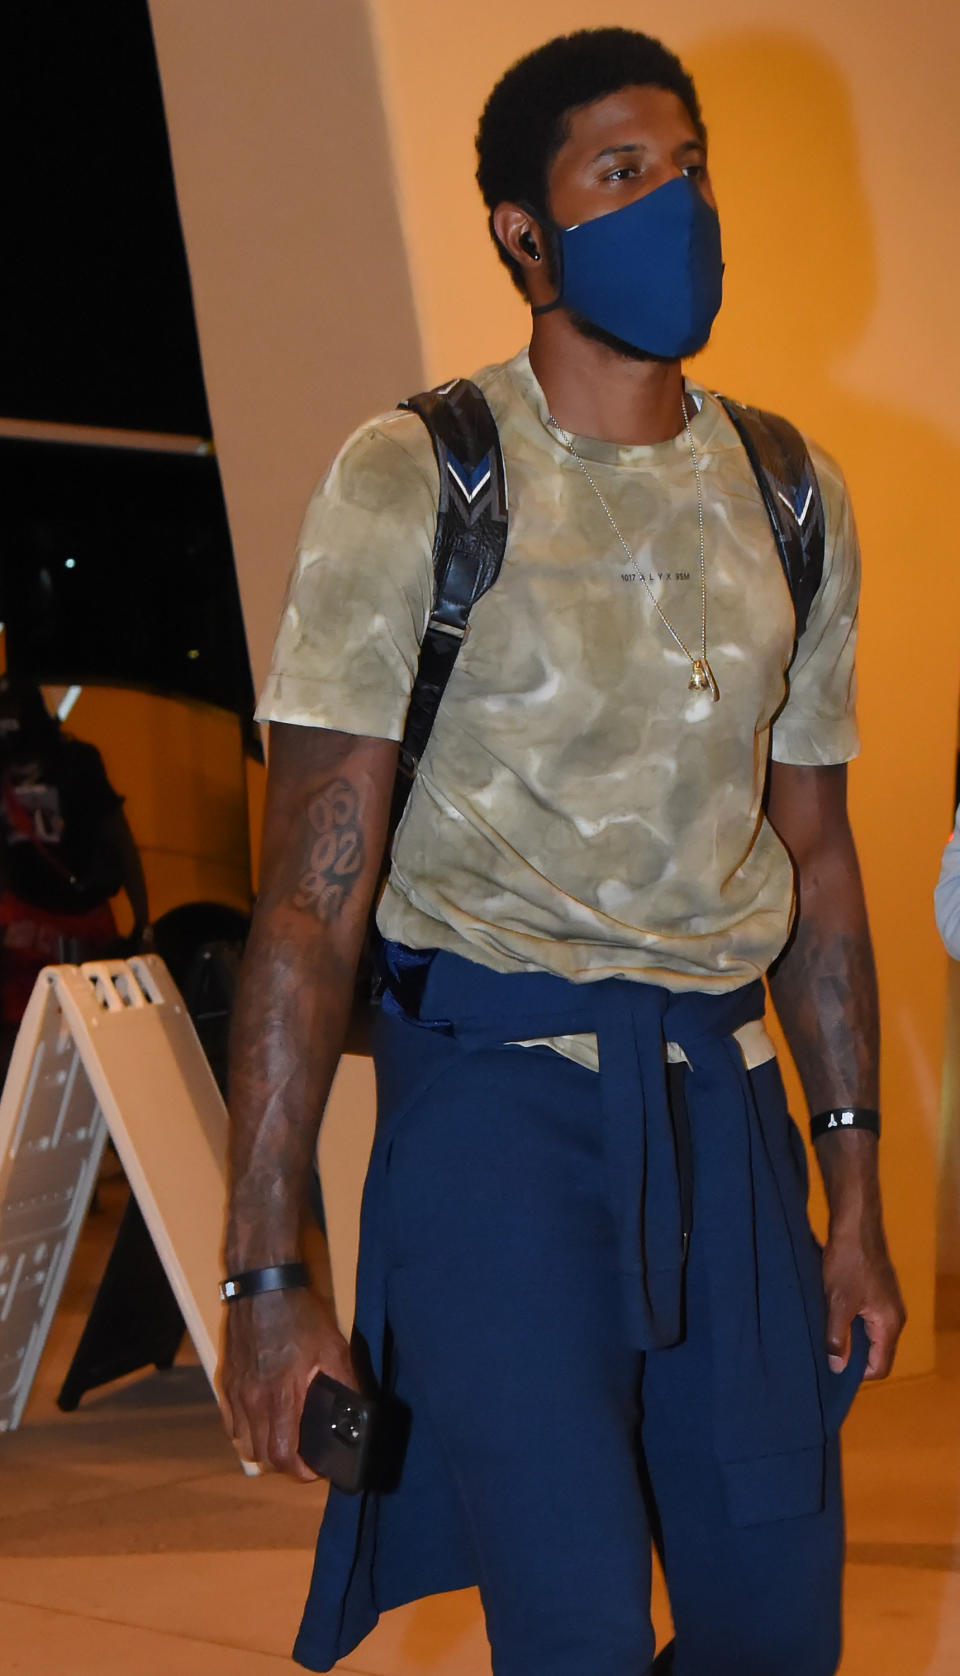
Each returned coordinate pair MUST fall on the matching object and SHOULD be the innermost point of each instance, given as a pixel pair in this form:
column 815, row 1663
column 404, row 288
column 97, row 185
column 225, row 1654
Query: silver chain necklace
column 701, row 675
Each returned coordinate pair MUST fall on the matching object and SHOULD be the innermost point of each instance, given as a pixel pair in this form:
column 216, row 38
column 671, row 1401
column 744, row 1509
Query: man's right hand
column 275, row 1343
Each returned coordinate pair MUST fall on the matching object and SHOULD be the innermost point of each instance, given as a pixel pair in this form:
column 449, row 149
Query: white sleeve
column 946, row 897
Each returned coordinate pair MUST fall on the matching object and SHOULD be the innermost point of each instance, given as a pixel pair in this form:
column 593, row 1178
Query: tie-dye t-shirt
column 578, row 809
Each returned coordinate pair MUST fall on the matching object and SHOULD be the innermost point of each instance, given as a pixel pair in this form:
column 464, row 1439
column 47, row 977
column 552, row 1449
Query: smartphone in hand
column 337, row 1431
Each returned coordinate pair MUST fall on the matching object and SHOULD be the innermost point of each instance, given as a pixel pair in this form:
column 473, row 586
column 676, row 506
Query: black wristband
column 844, row 1117
column 280, row 1277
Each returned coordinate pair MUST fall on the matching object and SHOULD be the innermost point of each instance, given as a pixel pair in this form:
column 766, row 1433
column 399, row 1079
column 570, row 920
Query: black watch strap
column 839, row 1118
column 280, row 1277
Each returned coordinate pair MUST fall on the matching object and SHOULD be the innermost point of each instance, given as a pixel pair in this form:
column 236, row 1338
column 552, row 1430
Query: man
column 585, row 1261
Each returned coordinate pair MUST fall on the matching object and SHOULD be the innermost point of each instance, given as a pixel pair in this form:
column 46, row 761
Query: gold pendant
column 701, row 679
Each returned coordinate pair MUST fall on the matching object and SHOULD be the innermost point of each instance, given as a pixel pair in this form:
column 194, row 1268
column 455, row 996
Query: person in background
column 946, row 897
column 65, row 849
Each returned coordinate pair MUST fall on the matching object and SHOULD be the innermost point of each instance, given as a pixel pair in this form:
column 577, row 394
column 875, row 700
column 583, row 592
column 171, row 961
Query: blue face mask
column 650, row 273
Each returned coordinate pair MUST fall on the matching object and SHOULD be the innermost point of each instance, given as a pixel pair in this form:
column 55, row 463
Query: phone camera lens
column 347, row 1423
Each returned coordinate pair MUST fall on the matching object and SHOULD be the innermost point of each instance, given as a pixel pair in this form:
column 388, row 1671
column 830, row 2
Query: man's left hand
column 859, row 1279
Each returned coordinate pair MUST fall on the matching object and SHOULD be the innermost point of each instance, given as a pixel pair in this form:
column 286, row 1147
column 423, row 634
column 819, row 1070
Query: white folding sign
column 105, row 1047
column 109, row 1048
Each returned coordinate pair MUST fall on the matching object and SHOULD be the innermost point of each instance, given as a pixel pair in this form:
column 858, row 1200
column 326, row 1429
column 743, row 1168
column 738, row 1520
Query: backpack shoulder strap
column 791, row 494
column 468, row 548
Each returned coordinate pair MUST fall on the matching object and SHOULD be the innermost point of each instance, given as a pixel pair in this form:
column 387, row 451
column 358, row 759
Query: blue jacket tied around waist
column 774, row 1400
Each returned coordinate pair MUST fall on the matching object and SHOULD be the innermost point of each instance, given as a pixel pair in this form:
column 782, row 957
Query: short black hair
column 524, row 121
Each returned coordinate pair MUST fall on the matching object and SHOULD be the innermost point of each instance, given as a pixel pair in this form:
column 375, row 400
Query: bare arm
column 824, row 988
column 327, row 807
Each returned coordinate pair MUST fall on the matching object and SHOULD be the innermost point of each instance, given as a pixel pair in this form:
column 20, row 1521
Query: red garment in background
column 31, row 938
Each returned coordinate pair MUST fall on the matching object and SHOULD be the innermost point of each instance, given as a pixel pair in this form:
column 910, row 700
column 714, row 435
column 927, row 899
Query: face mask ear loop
column 550, row 231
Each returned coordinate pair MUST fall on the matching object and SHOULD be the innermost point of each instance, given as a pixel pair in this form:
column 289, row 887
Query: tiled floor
column 131, row 1543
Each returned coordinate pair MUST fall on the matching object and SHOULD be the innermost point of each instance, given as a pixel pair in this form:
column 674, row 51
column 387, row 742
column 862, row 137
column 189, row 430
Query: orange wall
column 285, row 183
column 180, row 767
column 332, row 227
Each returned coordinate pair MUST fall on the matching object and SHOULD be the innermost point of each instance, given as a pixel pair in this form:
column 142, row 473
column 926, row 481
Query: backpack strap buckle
column 458, row 630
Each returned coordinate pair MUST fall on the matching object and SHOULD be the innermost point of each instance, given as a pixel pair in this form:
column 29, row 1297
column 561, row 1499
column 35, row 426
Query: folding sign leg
column 135, row 1320
column 166, row 1118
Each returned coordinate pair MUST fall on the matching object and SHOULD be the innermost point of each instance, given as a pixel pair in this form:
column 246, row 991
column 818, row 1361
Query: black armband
column 280, row 1277
column 844, row 1117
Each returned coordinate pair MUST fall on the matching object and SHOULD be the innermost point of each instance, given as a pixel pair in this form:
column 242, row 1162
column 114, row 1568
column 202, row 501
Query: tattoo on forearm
column 284, row 1045
column 825, row 991
column 337, row 854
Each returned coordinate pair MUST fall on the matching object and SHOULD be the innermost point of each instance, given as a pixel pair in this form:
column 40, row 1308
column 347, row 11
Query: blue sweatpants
column 568, row 1449
column 603, row 1306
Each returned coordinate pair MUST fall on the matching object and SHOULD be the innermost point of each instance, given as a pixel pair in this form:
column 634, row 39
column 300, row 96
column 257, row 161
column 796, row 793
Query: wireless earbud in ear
column 526, row 242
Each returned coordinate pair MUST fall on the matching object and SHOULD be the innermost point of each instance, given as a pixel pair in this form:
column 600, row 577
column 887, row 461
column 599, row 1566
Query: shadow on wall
column 802, row 294
column 799, row 248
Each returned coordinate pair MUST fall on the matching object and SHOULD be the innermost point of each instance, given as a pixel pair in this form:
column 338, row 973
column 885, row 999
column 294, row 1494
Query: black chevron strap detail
column 472, row 511
column 791, row 494
column 468, row 549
